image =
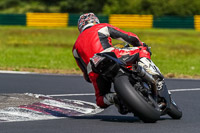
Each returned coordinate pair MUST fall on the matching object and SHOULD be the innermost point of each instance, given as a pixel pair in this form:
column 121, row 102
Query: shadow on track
column 128, row 119
column 110, row 118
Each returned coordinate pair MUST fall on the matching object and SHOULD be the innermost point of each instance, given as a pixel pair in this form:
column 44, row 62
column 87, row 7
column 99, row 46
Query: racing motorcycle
column 145, row 95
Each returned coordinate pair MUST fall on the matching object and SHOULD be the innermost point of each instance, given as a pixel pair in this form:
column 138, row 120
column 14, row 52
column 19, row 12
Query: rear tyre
column 145, row 111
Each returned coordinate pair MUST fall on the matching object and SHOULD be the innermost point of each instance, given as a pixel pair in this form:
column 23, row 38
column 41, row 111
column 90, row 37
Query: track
column 185, row 92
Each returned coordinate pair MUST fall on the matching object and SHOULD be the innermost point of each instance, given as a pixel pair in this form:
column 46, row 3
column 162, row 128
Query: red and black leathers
column 97, row 39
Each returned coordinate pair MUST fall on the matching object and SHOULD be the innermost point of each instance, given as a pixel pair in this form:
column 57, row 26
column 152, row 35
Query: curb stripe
column 48, row 108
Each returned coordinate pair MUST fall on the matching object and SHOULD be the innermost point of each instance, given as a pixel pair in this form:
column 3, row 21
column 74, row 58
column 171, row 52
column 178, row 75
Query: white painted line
column 92, row 94
column 15, row 72
column 192, row 89
column 61, row 95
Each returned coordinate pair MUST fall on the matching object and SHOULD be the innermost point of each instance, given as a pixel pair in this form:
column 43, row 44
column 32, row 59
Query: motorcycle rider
column 96, row 37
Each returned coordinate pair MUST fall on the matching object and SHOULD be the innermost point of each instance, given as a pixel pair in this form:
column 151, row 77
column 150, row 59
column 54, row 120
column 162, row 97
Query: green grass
column 40, row 48
column 174, row 51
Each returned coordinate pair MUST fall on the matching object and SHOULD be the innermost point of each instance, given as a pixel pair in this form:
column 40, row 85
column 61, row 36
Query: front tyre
column 134, row 100
column 174, row 111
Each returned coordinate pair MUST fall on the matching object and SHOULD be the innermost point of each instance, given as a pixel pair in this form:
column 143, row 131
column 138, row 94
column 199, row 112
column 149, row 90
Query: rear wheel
column 135, row 101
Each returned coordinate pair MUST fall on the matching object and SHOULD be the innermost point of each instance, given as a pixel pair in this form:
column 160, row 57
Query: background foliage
column 155, row 7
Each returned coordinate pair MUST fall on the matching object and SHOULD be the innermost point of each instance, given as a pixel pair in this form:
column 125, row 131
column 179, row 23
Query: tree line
column 154, row 7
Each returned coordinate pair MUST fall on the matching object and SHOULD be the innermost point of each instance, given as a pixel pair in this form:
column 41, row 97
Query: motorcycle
column 142, row 93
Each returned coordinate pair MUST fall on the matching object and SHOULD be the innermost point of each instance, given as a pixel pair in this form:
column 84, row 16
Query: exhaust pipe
column 147, row 77
column 143, row 74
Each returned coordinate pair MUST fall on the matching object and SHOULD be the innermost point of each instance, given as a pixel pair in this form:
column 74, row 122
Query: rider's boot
column 122, row 109
column 109, row 98
column 112, row 98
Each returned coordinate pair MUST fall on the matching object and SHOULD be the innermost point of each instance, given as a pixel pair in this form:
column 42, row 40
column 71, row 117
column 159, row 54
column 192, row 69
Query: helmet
column 86, row 20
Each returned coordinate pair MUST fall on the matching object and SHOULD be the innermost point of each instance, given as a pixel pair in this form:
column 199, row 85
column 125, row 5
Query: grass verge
column 48, row 50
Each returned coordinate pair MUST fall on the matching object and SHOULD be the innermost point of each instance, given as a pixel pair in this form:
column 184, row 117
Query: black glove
column 148, row 48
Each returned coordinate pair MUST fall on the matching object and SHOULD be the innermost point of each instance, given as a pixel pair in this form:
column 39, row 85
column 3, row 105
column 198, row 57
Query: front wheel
column 137, row 103
column 174, row 111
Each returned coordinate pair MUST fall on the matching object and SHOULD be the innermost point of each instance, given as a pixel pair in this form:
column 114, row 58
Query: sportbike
column 143, row 94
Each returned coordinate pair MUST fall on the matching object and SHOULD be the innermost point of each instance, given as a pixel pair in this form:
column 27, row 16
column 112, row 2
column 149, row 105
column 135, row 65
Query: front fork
column 164, row 94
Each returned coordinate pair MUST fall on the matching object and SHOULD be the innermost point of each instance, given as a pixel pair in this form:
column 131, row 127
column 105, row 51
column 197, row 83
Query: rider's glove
column 148, row 48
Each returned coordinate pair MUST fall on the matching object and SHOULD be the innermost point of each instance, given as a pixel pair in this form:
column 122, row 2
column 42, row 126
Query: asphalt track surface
column 108, row 121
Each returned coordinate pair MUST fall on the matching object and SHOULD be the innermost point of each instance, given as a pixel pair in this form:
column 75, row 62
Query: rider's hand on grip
column 148, row 48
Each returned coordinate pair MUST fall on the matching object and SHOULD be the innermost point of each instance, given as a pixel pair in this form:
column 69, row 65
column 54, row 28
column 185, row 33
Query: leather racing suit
column 96, row 39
